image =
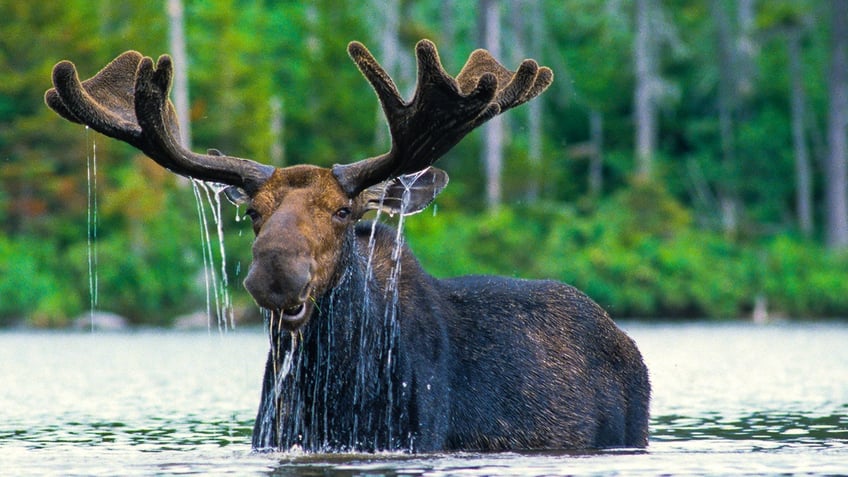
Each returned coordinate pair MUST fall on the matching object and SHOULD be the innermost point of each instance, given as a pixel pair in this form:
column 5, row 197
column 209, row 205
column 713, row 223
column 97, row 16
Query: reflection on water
column 779, row 428
column 178, row 434
column 728, row 399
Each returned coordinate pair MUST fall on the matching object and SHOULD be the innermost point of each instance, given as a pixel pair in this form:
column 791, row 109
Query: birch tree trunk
column 389, row 60
column 527, row 34
column 644, row 100
column 176, row 37
column 596, row 160
column 536, row 37
column 746, row 49
column 448, row 22
column 797, row 103
column 836, row 192
column 727, row 84
column 493, row 130
column 277, row 131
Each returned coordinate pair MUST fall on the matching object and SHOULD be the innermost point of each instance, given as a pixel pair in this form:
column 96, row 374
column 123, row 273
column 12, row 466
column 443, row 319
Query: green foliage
column 640, row 256
column 32, row 286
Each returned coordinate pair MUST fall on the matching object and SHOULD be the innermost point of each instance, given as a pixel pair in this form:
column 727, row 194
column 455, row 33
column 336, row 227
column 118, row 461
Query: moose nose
column 278, row 287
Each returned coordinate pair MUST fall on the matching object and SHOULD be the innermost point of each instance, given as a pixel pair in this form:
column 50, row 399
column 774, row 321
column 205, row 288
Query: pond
column 728, row 399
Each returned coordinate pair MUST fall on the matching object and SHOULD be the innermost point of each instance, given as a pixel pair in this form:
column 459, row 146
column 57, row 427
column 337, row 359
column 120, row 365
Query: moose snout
column 279, row 287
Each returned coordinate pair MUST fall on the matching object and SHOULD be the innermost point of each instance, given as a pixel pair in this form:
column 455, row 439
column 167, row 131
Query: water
column 728, row 399
column 91, row 221
column 217, row 282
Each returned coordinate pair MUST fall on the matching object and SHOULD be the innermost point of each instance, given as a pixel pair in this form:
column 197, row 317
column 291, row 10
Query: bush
column 637, row 256
column 801, row 278
column 33, row 285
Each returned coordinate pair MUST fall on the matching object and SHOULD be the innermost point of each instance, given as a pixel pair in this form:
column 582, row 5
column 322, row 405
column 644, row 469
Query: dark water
column 728, row 399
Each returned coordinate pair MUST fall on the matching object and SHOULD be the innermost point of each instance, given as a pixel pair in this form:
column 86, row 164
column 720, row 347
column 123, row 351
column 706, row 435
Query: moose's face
column 301, row 217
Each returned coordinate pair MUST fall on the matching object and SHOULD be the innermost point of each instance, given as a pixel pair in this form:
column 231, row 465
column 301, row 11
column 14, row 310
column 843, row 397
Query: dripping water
column 91, row 221
column 281, row 373
column 208, row 201
column 392, row 290
column 391, row 295
column 284, row 418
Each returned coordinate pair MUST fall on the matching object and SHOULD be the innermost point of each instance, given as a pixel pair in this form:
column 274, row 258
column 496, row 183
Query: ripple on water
column 777, row 429
column 141, row 404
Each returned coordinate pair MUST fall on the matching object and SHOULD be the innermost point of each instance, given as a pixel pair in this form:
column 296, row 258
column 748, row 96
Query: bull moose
column 368, row 351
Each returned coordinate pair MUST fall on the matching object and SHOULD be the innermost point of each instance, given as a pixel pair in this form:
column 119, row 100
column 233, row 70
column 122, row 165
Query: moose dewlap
column 368, row 351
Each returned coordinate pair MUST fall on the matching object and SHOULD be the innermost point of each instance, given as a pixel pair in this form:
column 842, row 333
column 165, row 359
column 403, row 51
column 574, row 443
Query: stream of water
column 728, row 399
column 91, row 220
column 207, row 197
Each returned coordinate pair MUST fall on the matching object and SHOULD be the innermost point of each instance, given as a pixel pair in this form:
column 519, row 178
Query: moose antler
column 442, row 110
column 128, row 100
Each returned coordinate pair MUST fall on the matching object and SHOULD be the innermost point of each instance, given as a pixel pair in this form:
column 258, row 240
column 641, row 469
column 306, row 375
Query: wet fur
column 472, row 363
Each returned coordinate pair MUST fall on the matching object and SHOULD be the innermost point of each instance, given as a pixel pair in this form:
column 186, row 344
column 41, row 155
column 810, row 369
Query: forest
column 689, row 160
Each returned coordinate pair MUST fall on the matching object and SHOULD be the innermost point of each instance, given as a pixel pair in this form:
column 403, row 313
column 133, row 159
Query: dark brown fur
column 479, row 363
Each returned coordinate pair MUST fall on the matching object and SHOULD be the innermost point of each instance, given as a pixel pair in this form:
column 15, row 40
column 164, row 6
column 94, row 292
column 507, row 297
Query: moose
column 368, row 351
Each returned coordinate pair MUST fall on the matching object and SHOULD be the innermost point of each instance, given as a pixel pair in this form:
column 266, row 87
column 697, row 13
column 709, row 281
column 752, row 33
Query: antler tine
column 514, row 88
column 442, row 111
column 84, row 102
column 382, row 83
column 128, row 100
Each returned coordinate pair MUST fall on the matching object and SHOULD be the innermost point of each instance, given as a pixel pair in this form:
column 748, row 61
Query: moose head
column 312, row 207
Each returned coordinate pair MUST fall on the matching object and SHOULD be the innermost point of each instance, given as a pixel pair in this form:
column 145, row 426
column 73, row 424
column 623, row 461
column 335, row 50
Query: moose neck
column 334, row 384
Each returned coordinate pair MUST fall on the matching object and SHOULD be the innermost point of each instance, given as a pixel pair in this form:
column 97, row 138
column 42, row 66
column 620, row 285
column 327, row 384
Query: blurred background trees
column 688, row 160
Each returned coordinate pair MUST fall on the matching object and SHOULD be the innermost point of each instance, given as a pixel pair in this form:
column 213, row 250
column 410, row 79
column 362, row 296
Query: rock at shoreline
column 101, row 321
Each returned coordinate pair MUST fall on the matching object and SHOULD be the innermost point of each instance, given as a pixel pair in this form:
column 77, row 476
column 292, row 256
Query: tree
column 728, row 101
column 798, row 108
column 645, row 94
column 176, row 36
column 493, row 131
column 836, row 186
column 525, row 26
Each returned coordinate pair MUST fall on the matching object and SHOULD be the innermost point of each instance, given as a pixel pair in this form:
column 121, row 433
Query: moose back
column 368, row 351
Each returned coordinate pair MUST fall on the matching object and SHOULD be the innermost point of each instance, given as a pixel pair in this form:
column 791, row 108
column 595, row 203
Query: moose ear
column 236, row 195
column 407, row 194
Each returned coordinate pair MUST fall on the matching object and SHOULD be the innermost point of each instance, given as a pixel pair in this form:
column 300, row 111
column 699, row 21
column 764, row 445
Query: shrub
column 650, row 262
column 33, row 284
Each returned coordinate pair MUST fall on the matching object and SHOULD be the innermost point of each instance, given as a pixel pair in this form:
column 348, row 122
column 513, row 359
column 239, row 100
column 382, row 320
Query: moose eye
column 342, row 214
column 253, row 214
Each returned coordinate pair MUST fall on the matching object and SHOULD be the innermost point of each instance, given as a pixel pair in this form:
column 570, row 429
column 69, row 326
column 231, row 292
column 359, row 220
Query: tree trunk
column 176, row 37
column 448, row 26
column 493, row 130
column 797, row 103
column 645, row 110
column 535, row 32
column 596, row 161
column 836, row 192
column 746, row 50
column 277, row 130
column 727, row 85
column 527, row 31
column 389, row 60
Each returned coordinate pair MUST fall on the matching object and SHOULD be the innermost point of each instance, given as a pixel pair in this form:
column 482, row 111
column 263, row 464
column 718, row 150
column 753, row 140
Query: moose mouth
column 291, row 318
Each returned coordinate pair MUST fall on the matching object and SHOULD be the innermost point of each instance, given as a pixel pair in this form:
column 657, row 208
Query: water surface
column 728, row 399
